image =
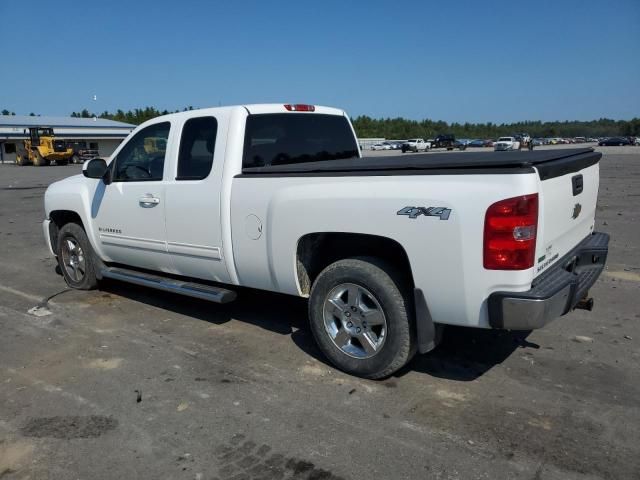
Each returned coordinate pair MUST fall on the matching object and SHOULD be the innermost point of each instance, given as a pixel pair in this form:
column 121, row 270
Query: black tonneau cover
column 550, row 163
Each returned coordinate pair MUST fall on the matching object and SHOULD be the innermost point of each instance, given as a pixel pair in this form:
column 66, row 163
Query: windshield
column 504, row 139
column 283, row 138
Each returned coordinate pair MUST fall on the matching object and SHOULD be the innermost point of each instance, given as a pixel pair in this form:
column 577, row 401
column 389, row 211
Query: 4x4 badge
column 577, row 208
column 415, row 212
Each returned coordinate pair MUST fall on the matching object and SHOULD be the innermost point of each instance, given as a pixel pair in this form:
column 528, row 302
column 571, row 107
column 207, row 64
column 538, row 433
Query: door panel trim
column 190, row 250
column 133, row 242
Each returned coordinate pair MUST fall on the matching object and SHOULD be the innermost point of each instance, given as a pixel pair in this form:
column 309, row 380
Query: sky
column 458, row 61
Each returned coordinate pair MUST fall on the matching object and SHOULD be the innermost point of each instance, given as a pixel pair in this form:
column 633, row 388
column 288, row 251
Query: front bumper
column 555, row 292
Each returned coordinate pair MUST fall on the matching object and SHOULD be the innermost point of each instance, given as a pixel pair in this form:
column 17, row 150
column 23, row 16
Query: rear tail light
column 299, row 107
column 510, row 228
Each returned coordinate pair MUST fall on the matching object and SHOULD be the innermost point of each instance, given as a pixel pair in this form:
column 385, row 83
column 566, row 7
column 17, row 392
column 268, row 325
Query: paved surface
column 240, row 391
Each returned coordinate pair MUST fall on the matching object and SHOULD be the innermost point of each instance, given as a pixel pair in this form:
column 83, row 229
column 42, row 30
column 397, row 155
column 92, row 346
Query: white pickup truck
column 416, row 145
column 387, row 249
column 507, row 144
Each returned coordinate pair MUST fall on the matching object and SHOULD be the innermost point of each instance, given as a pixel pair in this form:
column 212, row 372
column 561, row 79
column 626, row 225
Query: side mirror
column 97, row 168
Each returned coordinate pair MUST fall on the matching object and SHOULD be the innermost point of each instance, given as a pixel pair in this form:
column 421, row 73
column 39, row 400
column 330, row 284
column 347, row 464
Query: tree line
column 135, row 116
column 402, row 128
column 7, row 112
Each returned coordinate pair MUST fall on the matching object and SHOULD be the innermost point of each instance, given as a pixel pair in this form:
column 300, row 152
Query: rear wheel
column 361, row 318
column 76, row 258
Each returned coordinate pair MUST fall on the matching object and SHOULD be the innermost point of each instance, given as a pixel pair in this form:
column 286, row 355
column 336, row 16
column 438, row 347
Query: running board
column 190, row 289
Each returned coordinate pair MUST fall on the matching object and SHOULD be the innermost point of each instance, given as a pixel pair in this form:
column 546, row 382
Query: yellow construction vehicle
column 41, row 148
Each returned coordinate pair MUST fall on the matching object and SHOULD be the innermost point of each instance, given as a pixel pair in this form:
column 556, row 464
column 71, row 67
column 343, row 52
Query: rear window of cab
column 286, row 138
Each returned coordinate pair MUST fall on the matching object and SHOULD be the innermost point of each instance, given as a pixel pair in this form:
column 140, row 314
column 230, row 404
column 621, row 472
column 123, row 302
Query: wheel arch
column 59, row 218
column 316, row 251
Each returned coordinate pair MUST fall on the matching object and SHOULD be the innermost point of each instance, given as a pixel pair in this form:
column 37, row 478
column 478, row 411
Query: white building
column 85, row 133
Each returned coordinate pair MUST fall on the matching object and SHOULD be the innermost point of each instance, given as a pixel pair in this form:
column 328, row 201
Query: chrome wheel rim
column 354, row 320
column 73, row 259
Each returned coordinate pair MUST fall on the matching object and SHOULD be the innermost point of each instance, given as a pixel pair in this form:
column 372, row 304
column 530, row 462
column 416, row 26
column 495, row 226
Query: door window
column 142, row 158
column 197, row 148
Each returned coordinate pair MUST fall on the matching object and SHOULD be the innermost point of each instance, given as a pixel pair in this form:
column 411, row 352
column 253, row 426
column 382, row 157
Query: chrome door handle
column 148, row 201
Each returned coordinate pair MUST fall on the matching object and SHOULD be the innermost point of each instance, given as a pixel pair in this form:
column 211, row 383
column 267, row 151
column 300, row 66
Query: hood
column 65, row 194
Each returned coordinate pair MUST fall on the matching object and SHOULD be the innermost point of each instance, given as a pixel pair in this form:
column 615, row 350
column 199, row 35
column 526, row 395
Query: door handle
column 148, row 201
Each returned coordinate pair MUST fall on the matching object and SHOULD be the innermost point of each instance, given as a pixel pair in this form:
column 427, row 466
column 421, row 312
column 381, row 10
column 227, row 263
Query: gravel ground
column 124, row 382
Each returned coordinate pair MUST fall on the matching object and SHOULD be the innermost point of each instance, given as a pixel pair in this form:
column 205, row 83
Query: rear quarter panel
column 445, row 255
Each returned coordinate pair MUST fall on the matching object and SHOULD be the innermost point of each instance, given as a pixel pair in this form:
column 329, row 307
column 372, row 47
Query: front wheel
column 361, row 317
column 38, row 159
column 75, row 257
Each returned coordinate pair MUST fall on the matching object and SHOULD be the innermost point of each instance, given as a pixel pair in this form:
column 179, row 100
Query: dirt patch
column 570, row 441
column 69, row 427
column 314, row 370
column 14, row 456
column 623, row 275
column 105, row 363
column 243, row 459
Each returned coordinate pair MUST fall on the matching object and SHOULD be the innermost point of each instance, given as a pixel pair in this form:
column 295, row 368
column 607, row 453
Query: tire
column 382, row 297
column 39, row 160
column 73, row 248
column 75, row 159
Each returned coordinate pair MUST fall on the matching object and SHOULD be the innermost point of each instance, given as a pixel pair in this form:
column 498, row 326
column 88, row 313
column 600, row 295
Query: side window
column 142, row 158
column 196, row 148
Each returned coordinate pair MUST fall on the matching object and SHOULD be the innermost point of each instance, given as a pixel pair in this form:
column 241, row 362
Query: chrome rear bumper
column 555, row 292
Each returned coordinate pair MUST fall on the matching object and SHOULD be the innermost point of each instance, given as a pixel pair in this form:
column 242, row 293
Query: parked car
column 444, row 141
column 506, row 143
column 537, row 141
column 477, row 143
column 523, row 138
column 381, row 146
column 614, row 141
column 392, row 251
column 80, row 152
column 415, row 145
column 460, row 145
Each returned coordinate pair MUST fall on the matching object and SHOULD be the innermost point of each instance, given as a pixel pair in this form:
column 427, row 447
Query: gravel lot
column 131, row 383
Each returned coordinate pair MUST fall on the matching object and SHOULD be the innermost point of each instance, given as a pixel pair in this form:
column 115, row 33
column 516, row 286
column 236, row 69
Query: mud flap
column 428, row 333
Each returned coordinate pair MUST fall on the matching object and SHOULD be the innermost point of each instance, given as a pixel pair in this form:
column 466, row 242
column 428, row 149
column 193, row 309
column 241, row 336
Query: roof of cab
column 280, row 108
column 258, row 108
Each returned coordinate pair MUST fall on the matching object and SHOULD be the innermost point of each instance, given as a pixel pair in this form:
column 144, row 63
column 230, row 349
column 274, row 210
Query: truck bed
column 549, row 163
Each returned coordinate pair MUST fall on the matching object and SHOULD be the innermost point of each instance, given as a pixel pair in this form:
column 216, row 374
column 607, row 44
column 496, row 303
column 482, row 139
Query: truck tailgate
column 568, row 195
